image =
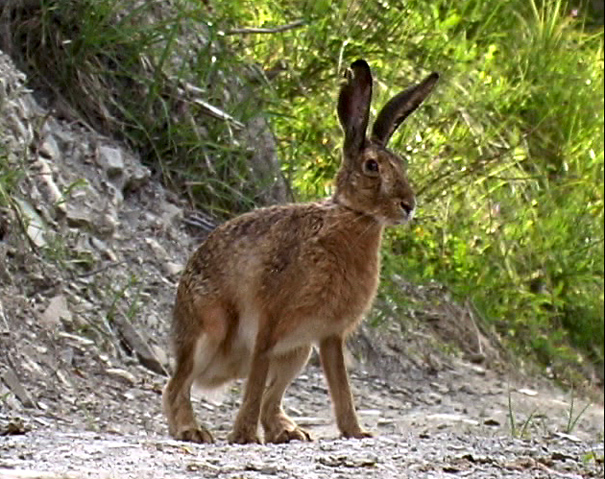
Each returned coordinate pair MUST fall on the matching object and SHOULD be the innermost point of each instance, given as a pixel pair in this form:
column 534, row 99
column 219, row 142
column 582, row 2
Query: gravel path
column 443, row 455
column 442, row 429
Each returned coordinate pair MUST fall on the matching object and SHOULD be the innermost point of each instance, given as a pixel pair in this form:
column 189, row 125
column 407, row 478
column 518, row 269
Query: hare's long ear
column 354, row 106
column 399, row 108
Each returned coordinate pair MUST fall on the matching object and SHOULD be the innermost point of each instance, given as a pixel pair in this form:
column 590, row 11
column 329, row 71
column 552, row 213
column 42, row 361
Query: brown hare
column 266, row 286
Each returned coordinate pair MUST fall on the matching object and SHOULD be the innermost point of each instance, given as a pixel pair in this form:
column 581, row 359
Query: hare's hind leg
column 176, row 399
column 277, row 425
column 200, row 332
column 331, row 351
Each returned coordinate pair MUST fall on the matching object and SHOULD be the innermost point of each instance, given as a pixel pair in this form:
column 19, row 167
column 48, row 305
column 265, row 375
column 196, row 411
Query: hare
column 266, row 286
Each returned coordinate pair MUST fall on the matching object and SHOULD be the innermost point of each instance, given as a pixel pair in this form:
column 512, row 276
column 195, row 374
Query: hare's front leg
column 279, row 428
column 331, row 351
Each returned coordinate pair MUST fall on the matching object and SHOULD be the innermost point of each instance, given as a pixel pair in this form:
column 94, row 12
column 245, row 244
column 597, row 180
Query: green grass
column 9, row 178
column 506, row 157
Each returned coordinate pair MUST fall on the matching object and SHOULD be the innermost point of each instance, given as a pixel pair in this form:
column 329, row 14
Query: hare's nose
column 408, row 206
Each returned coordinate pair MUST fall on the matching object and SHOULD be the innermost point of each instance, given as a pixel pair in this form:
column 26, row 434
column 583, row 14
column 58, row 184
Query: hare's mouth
column 402, row 218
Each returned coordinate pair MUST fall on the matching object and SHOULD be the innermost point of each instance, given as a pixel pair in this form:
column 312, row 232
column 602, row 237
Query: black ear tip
column 361, row 63
column 429, row 82
column 361, row 66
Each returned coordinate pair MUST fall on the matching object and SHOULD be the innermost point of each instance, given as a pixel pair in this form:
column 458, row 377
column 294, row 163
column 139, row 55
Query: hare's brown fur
column 267, row 285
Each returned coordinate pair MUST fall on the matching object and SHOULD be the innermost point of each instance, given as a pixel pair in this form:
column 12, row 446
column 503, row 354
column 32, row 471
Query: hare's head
column 372, row 179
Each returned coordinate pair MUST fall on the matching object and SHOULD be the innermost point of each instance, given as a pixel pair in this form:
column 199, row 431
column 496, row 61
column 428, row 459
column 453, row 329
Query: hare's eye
column 371, row 167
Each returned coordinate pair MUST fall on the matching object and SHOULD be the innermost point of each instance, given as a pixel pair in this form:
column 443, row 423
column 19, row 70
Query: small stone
column 139, row 345
column 172, row 269
column 569, row 437
column 108, row 224
column 12, row 382
column 476, row 358
column 111, row 160
column 77, row 218
column 56, row 312
column 369, row 412
column 161, row 356
column 170, row 214
column 137, row 178
column 49, row 148
column 4, row 329
column 122, row 375
column 311, row 421
column 158, row 250
column 528, row 392
column 76, row 340
column 34, row 224
column 49, row 189
column 14, row 427
column 101, row 246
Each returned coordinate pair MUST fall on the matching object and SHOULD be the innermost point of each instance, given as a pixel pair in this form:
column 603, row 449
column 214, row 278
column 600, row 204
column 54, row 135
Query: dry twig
column 279, row 29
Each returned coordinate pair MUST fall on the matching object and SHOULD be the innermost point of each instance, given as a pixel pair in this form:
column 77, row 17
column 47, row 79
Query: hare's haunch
column 267, row 285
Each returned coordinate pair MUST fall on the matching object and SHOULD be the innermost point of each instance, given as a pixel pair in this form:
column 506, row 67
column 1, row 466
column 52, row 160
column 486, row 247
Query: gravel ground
column 427, row 430
column 442, row 455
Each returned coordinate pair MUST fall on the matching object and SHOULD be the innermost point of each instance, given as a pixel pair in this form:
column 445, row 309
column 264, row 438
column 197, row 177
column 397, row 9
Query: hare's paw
column 243, row 436
column 358, row 433
column 199, row 435
column 288, row 434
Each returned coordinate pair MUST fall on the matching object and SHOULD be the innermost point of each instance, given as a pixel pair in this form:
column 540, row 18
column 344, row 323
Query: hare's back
column 311, row 268
column 254, row 244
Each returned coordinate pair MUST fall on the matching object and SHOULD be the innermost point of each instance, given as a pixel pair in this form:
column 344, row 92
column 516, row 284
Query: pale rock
column 12, row 382
column 172, row 269
column 60, row 374
column 161, row 356
column 137, row 342
column 34, row 224
column 56, row 312
column 122, row 375
column 452, row 418
column 9, row 401
column 3, row 321
column 111, row 160
column 158, row 250
column 49, row 148
column 136, row 178
column 170, row 214
column 79, row 218
column 569, row 437
column 102, row 247
column 48, row 187
column 528, row 392
column 75, row 340
column 107, row 226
